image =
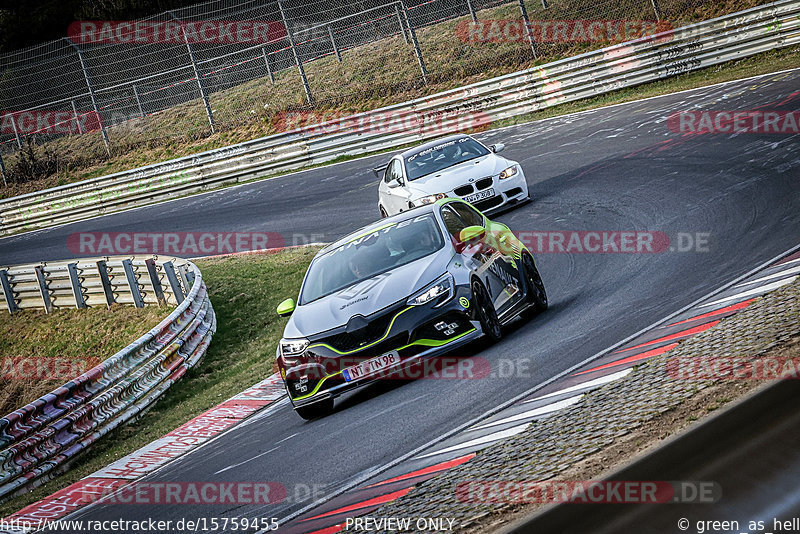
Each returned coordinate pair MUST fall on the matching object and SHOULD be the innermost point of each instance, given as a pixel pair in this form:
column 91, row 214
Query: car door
column 495, row 265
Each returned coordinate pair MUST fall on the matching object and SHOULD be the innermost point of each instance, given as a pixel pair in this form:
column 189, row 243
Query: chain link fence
column 234, row 69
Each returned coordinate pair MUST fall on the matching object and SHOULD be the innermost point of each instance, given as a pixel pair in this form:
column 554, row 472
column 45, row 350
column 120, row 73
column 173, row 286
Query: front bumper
column 508, row 192
column 413, row 333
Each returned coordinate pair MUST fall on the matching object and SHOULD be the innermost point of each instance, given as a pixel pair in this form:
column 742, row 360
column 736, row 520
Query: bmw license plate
column 480, row 195
column 368, row 367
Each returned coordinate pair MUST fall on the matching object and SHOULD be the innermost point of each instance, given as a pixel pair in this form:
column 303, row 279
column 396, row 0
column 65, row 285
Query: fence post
column 656, row 9
column 526, row 21
column 105, row 281
column 472, row 11
column 138, row 101
column 333, row 42
column 544, row 4
column 400, row 20
column 16, row 132
column 77, row 120
column 187, row 277
column 297, row 61
column 269, row 67
column 75, row 282
column 200, row 86
column 133, row 284
column 417, row 50
column 91, row 95
column 3, row 170
column 8, row 292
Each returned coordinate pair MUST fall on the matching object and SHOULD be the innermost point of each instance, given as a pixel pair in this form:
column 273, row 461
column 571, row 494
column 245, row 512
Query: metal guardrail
column 40, row 439
column 627, row 64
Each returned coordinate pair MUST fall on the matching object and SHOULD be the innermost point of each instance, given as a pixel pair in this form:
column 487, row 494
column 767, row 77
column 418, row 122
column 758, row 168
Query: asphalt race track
column 614, row 169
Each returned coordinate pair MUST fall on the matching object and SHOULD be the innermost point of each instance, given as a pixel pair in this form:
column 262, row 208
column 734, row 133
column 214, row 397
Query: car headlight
column 430, row 199
column 509, row 172
column 293, row 347
column 441, row 287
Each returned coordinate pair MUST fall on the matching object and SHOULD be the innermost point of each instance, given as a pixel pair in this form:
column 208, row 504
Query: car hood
column 448, row 179
column 368, row 296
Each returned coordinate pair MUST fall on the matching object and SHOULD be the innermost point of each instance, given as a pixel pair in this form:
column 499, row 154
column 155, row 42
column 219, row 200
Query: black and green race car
column 408, row 287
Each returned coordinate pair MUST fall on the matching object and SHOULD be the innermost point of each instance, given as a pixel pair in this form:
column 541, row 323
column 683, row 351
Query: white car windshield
column 442, row 156
column 370, row 254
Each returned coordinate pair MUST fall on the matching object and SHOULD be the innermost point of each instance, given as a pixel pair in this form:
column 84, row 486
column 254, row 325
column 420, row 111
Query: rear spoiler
column 379, row 171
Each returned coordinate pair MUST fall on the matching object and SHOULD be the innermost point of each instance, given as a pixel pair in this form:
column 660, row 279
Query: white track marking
column 760, row 290
column 592, row 383
column 556, row 406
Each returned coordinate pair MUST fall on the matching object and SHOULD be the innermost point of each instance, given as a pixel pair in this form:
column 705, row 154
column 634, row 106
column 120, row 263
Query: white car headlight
column 509, row 172
column 293, row 347
column 430, row 199
column 442, row 286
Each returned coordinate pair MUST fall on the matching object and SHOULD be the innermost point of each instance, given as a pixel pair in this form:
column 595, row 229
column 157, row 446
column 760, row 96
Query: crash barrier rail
column 666, row 54
column 40, row 439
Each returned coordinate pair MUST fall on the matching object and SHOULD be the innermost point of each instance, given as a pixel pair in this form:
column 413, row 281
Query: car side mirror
column 499, row 147
column 394, row 183
column 471, row 233
column 286, row 308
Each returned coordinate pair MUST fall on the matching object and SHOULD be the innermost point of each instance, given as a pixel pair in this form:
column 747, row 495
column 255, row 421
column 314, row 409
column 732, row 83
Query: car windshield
column 442, row 156
column 370, row 254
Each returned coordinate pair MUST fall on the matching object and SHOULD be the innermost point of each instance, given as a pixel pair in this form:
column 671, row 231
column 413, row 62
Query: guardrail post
column 91, row 95
column 133, row 284
column 77, row 120
column 333, row 42
column 656, row 9
column 8, row 292
column 187, row 276
column 155, row 281
column 526, row 21
column 544, row 4
column 417, row 50
column 105, row 281
column 75, row 282
column 297, row 61
column 269, row 67
column 400, row 20
column 177, row 291
column 472, row 11
column 200, row 85
column 138, row 101
column 43, row 290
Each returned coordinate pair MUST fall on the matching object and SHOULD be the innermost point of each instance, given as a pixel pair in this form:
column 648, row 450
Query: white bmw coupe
column 457, row 166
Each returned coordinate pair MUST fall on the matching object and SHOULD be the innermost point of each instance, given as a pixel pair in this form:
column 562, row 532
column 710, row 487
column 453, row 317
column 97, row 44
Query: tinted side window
column 390, row 172
column 467, row 214
column 452, row 221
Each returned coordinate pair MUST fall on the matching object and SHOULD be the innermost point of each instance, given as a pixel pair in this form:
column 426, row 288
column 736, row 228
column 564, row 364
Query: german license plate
column 368, row 367
column 480, row 195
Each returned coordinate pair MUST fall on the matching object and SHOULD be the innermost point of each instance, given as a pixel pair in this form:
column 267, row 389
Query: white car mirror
column 394, row 183
column 499, row 147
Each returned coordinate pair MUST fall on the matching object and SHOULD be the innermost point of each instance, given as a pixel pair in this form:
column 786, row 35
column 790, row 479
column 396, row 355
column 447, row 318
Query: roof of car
column 431, row 144
column 382, row 223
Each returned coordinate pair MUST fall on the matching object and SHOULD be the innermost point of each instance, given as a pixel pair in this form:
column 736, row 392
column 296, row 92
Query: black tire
column 485, row 313
column 383, row 212
column 534, row 286
column 315, row 410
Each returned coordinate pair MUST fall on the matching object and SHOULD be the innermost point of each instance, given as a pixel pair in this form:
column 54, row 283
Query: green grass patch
column 244, row 290
column 42, row 351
